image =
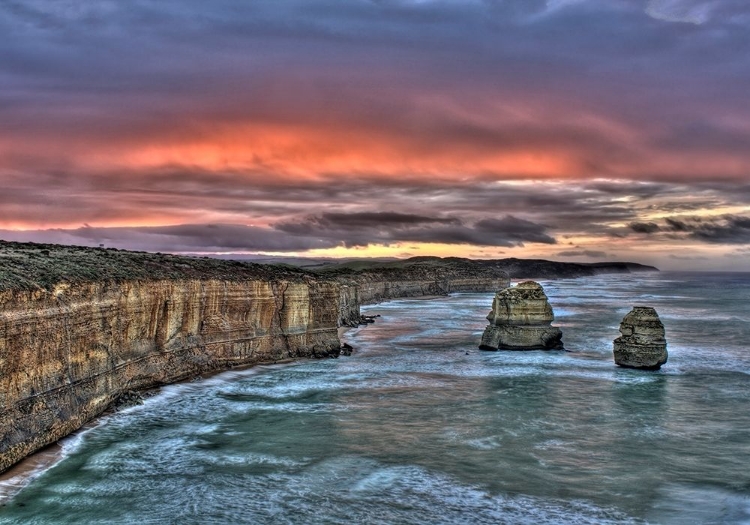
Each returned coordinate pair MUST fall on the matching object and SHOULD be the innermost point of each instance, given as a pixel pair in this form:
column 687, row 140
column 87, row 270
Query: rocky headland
column 82, row 327
column 515, row 268
column 521, row 319
column 642, row 343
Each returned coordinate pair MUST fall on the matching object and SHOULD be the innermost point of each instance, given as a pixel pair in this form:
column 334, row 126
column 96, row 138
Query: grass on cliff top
column 516, row 268
column 30, row 266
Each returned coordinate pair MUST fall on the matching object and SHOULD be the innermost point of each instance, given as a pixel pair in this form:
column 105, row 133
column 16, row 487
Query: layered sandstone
column 521, row 319
column 416, row 277
column 642, row 343
column 82, row 327
column 67, row 351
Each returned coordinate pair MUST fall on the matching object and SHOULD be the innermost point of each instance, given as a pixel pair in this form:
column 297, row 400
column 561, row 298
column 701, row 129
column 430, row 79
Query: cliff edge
column 80, row 327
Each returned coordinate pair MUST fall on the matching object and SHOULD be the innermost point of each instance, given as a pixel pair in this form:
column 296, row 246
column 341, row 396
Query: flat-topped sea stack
column 521, row 319
column 642, row 343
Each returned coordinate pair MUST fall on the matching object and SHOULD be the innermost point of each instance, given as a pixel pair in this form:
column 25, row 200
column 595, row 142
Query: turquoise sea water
column 419, row 426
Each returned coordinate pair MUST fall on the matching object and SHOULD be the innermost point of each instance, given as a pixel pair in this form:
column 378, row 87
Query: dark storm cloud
column 328, row 231
column 468, row 211
column 644, row 227
column 197, row 238
column 724, row 229
column 361, row 229
column 515, row 229
column 359, row 221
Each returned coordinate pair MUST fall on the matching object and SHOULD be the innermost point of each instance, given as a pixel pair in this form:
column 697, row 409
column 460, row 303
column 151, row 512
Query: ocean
column 419, row 426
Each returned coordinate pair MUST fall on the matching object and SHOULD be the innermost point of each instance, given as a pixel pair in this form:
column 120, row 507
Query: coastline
column 20, row 475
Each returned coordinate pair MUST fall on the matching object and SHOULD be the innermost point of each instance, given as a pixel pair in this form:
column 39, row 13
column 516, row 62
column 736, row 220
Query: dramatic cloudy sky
column 568, row 129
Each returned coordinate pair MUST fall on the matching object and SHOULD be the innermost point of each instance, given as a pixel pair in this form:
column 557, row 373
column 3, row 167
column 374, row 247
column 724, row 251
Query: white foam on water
column 704, row 504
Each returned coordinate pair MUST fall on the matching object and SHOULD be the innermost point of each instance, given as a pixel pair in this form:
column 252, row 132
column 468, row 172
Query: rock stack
column 521, row 319
column 642, row 343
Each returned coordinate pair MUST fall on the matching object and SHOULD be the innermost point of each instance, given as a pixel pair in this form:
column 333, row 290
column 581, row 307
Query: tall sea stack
column 642, row 343
column 521, row 319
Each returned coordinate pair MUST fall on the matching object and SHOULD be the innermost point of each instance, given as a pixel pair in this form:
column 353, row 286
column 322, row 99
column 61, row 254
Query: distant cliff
column 515, row 268
column 543, row 269
column 417, row 277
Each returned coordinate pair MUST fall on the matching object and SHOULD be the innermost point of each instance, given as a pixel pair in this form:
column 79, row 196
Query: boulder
column 642, row 343
column 521, row 319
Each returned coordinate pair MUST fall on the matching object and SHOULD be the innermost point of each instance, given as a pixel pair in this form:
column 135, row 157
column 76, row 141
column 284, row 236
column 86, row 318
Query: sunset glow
column 387, row 129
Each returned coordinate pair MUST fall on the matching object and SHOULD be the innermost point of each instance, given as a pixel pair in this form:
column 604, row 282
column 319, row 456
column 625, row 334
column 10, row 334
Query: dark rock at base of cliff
column 521, row 319
column 642, row 344
column 320, row 351
column 346, row 349
column 128, row 399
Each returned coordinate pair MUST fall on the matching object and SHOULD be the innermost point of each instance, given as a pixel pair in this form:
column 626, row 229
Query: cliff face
column 376, row 285
column 80, row 327
column 67, row 353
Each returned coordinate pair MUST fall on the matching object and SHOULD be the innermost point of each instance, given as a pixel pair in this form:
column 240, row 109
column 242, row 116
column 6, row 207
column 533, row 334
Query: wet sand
column 21, row 474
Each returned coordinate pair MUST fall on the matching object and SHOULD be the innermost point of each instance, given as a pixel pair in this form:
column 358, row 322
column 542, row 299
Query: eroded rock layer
column 81, row 328
column 642, row 343
column 417, row 277
column 67, row 353
column 521, row 319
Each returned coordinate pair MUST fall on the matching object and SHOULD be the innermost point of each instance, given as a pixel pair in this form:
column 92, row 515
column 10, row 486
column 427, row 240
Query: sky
column 573, row 130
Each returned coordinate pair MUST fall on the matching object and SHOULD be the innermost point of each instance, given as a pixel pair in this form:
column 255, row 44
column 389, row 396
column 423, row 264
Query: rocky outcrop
column 69, row 352
column 521, row 319
column 642, row 343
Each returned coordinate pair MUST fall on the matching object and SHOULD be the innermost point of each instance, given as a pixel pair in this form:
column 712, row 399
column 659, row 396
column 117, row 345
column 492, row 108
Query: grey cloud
column 688, row 257
column 326, row 231
column 676, row 225
column 193, row 238
column 363, row 228
column 723, row 229
column 516, row 229
column 353, row 202
column 644, row 227
column 592, row 254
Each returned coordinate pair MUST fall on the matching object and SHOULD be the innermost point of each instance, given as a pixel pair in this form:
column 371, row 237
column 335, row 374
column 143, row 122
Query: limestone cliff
column 79, row 327
column 417, row 277
column 74, row 339
column 66, row 354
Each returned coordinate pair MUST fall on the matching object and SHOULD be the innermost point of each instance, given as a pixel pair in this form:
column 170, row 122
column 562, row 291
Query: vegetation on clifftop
column 30, row 266
column 515, row 268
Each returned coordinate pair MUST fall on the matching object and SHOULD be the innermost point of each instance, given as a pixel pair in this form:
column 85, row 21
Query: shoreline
column 20, row 475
